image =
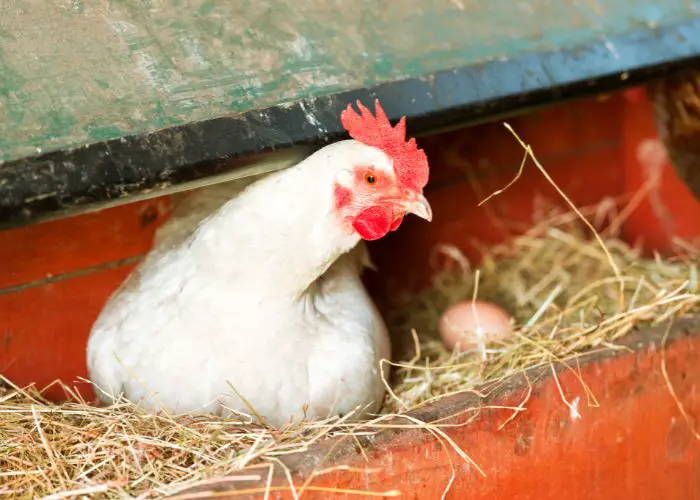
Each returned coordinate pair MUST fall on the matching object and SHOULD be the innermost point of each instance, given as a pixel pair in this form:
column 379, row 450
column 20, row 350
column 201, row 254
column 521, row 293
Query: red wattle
column 373, row 223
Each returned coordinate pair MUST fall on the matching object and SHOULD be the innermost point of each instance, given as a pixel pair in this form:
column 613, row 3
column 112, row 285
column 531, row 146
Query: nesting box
column 87, row 178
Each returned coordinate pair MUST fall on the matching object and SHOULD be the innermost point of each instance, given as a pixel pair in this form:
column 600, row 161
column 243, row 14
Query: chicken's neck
column 280, row 235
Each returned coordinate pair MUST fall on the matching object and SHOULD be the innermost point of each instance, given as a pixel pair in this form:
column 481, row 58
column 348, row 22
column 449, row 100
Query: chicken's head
column 385, row 177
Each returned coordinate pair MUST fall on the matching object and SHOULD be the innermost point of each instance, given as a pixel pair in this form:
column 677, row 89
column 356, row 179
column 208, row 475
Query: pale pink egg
column 472, row 324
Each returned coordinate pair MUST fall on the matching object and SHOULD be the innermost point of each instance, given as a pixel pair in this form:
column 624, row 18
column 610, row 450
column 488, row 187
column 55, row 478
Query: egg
column 471, row 324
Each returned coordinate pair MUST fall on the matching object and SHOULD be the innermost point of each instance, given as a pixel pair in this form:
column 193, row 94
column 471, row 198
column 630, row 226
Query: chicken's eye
column 370, row 178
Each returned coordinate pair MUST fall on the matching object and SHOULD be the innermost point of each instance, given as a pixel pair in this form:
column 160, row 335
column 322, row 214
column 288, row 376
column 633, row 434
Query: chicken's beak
column 418, row 205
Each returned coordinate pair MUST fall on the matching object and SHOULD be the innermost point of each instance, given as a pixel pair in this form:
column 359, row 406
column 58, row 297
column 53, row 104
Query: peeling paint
column 574, row 413
column 311, row 117
column 302, row 48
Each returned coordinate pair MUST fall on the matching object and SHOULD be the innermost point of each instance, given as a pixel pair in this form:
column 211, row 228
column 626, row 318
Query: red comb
column 410, row 162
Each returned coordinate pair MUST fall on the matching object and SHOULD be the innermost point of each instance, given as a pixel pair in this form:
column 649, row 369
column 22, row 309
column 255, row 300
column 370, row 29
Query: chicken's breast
column 319, row 353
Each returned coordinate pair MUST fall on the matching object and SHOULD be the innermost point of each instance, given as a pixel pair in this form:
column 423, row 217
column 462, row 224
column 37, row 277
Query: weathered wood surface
column 75, row 72
column 103, row 100
column 635, row 443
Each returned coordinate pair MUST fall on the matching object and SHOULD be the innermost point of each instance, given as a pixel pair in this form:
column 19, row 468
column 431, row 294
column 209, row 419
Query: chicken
column 255, row 305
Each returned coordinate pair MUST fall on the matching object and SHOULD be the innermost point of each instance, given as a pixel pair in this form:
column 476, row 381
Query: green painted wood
column 74, row 72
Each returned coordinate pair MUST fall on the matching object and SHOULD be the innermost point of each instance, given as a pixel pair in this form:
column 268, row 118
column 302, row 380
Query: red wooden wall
column 57, row 275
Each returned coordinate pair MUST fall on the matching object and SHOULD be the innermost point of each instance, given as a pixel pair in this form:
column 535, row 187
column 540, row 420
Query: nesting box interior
column 58, row 275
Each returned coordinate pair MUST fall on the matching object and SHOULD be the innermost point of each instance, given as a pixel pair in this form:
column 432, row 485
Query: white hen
column 259, row 307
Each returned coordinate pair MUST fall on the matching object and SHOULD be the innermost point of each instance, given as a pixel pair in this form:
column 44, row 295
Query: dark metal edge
column 32, row 189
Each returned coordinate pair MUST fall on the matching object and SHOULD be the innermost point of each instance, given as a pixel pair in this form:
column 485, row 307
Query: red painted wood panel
column 44, row 330
column 555, row 133
column 52, row 248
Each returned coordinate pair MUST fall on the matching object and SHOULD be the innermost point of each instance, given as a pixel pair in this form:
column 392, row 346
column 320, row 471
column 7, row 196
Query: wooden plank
column 35, row 255
column 556, row 133
column 104, row 100
column 76, row 72
column 635, row 444
column 45, row 328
